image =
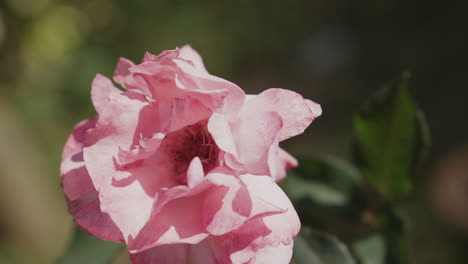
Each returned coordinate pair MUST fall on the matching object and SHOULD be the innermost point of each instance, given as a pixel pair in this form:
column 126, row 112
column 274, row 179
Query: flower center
column 188, row 143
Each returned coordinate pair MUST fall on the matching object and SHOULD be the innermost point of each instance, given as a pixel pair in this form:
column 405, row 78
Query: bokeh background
column 334, row 52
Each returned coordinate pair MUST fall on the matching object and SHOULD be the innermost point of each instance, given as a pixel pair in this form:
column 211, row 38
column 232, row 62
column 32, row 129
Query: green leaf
column 396, row 234
column 319, row 248
column 371, row 249
column 327, row 194
column 327, row 180
column 90, row 250
column 385, row 247
column 317, row 191
column 391, row 138
column 388, row 243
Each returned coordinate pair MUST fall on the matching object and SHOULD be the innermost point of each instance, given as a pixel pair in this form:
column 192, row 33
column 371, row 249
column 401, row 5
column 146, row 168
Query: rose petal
column 135, row 200
column 195, row 172
column 178, row 221
column 219, row 216
column 166, row 220
column 186, row 111
column 164, row 57
column 294, row 110
column 116, row 128
column 256, row 139
column 167, row 254
column 122, row 71
column 188, row 53
column 266, row 195
column 314, row 107
column 101, row 90
column 215, row 92
column 89, row 217
column 199, row 253
column 73, row 166
column 220, row 130
column 280, row 254
column 228, row 206
column 128, row 205
column 264, row 231
column 284, row 226
column 238, row 246
column 170, row 75
column 284, row 162
column 82, row 198
column 145, row 149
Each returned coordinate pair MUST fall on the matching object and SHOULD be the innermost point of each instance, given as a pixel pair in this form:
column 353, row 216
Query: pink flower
column 182, row 165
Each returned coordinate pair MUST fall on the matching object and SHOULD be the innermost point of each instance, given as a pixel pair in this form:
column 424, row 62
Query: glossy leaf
column 387, row 247
column 371, row 249
column 319, row 248
column 328, row 194
column 326, row 180
column 390, row 137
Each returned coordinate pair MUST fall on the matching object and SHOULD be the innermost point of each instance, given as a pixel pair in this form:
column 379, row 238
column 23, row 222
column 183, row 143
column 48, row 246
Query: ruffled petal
column 73, row 166
column 171, row 74
column 145, row 148
column 284, row 162
column 219, row 213
column 267, row 196
column 296, row 112
column 188, row 53
column 164, row 57
column 167, row 254
column 177, row 213
column 184, row 112
column 101, row 90
column 122, row 71
column 129, row 81
column 314, row 107
column 82, row 198
column 218, row 205
column 127, row 191
column 284, row 226
column 89, row 217
column 115, row 129
column 199, row 253
column 178, row 221
column 219, row 94
column 256, row 139
column 130, row 199
column 228, row 206
column 250, row 242
column 220, row 130
column 240, row 245
column 129, row 205
column 280, row 254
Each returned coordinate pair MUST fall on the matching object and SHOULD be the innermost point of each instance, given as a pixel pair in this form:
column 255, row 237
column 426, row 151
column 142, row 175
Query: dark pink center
column 188, row 143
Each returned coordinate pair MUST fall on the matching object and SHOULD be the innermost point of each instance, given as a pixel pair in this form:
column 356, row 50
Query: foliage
column 362, row 203
column 390, row 139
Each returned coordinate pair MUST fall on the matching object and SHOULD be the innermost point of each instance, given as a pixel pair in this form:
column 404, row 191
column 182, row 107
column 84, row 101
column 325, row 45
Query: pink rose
column 182, row 165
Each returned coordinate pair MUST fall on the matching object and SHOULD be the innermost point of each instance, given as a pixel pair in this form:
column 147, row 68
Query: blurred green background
column 334, row 52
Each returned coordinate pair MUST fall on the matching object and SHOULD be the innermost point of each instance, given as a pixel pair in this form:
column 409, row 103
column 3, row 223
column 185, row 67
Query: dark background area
column 336, row 53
